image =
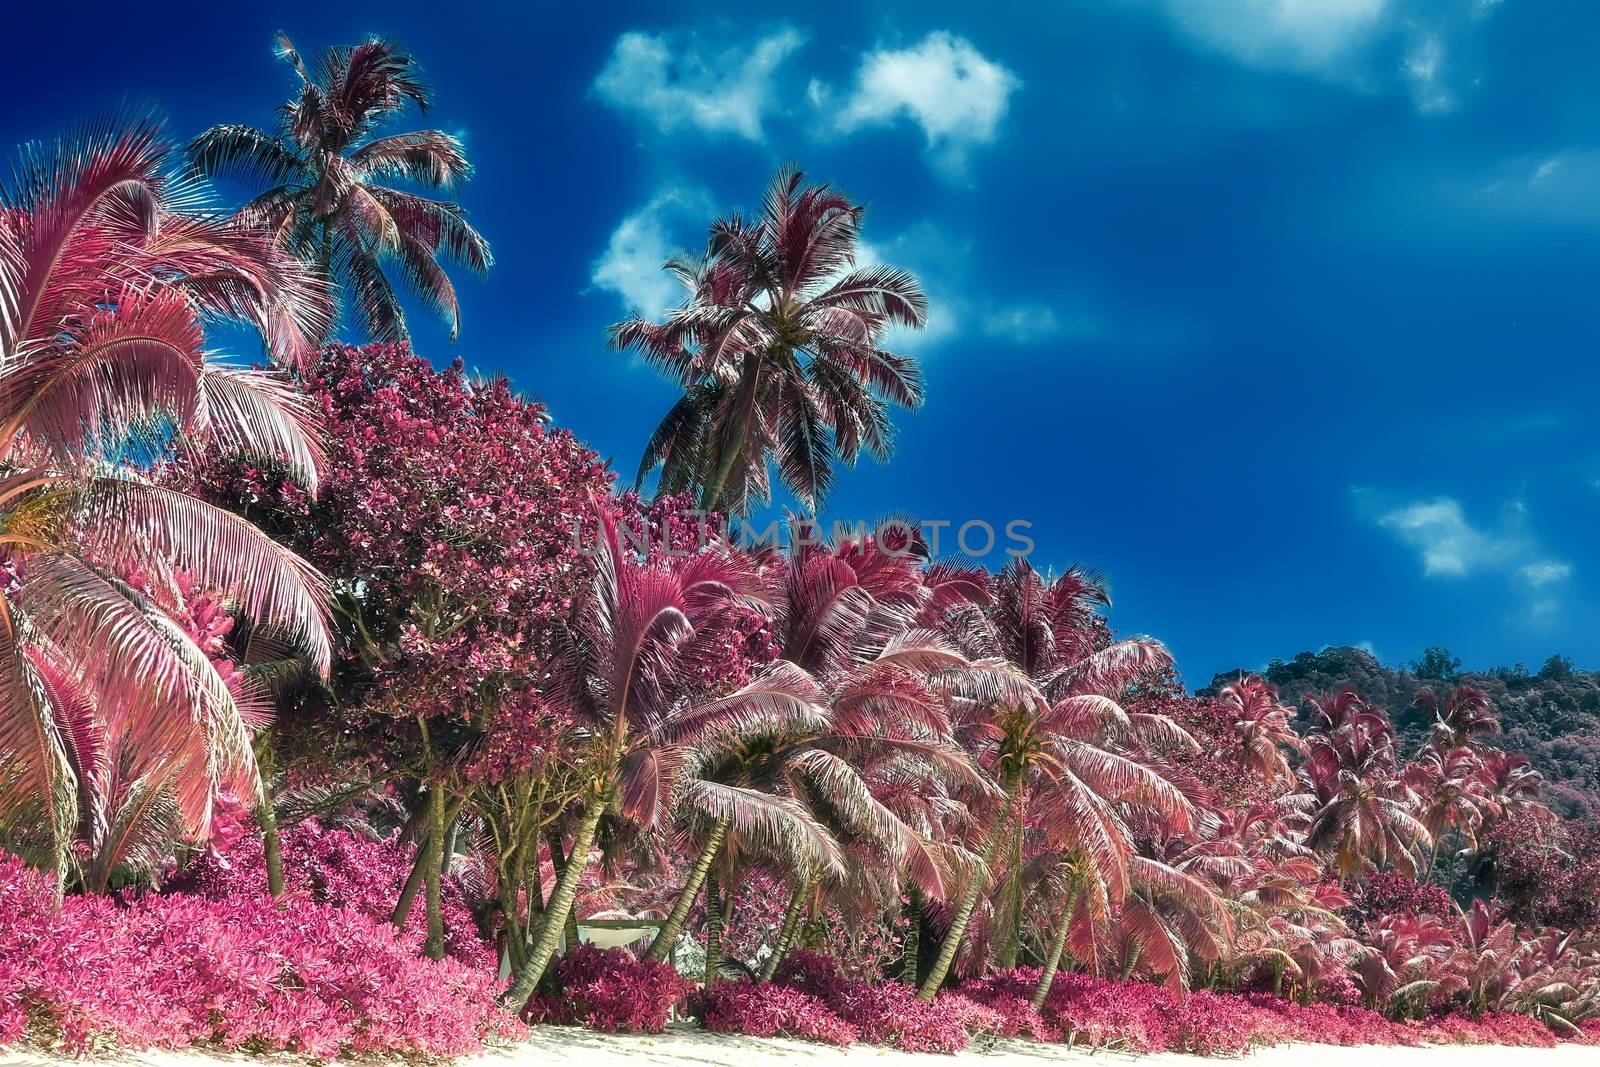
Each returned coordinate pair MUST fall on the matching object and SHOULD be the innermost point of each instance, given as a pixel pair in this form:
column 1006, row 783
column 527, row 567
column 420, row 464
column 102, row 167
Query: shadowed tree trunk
column 713, row 927
column 1058, row 944
column 1008, row 909
column 969, row 897
column 558, row 861
column 559, row 907
column 535, row 884
column 271, row 846
column 670, row 930
column 413, row 884
column 786, row 933
column 910, row 962
column 433, row 871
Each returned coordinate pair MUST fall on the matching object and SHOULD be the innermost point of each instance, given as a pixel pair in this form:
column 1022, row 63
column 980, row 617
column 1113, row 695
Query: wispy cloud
column 672, row 81
column 1424, row 69
column 956, row 94
column 1449, row 545
column 630, row 267
column 1347, row 42
column 1036, row 323
column 956, row 305
column 1544, row 572
column 1453, row 546
column 1303, row 35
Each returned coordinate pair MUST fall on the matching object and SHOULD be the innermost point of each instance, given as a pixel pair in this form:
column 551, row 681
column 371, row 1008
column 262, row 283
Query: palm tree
column 1263, row 727
column 859, row 619
column 326, row 168
column 625, row 679
column 1364, row 810
column 777, row 350
column 1464, row 715
column 105, row 282
column 1036, row 712
column 1451, row 793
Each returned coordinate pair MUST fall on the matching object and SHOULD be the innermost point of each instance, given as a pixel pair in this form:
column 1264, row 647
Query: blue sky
column 1281, row 312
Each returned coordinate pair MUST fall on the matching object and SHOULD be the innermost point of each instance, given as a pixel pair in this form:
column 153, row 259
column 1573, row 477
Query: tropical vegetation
column 345, row 698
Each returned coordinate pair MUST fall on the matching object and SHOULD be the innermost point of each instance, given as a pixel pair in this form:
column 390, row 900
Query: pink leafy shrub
column 176, row 970
column 1490, row 1028
column 1137, row 1017
column 769, row 1010
column 1394, row 893
column 886, row 1013
column 344, row 869
column 1010, row 997
column 607, row 989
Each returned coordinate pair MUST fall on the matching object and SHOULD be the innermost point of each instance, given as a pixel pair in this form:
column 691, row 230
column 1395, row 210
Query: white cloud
column 1346, row 42
column 1544, row 572
column 1303, row 35
column 1560, row 186
column 670, row 81
column 1448, row 543
column 955, row 93
column 1452, row 546
column 1026, row 324
column 631, row 264
column 926, row 251
column 1031, row 324
column 1423, row 67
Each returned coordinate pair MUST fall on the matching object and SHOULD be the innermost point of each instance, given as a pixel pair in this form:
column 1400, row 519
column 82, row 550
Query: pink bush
column 344, row 869
column 887, row 1013
column 1491, row 1028
column 1138, row 1017
column 1009, row 995
column 607, row 989
column 177, row 970
column 769, row 1010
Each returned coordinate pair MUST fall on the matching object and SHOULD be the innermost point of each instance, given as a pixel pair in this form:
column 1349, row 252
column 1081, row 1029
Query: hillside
column 1552, row 717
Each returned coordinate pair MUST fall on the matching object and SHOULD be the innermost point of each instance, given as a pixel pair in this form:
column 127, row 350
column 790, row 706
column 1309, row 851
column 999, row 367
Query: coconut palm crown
column 778, row 351
column 328, row 169
column 108, row 272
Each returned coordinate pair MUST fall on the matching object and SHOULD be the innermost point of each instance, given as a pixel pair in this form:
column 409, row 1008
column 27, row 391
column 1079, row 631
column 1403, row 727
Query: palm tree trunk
column 786, row 933
column 969, row 898
column 433, row 871
column 713, row 927
column 1058, row 944
column 1009, row 912
column 271, row 846
column 667, row 936
column 911, row 951
column 556, row 912
column 558, row 860
column 719, row 479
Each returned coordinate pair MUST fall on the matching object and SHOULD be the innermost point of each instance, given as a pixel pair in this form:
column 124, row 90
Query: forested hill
column 1552, row 716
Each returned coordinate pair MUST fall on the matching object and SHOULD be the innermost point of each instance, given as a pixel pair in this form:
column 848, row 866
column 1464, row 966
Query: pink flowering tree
column 447, row 527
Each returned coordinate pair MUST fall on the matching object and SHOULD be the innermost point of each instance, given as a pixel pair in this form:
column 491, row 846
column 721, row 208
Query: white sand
column 685, row 1047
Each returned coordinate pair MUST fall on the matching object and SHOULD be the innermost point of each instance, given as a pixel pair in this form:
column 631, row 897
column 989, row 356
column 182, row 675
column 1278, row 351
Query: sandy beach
column 688, row 1047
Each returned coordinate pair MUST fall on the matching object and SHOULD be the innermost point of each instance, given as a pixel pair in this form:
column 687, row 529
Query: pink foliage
column 344, row 869
column 608, row 989
column 886, row 1013
column 1137, row 1017
column 1395, row 893
column 769, row 1010
column 176, row 970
